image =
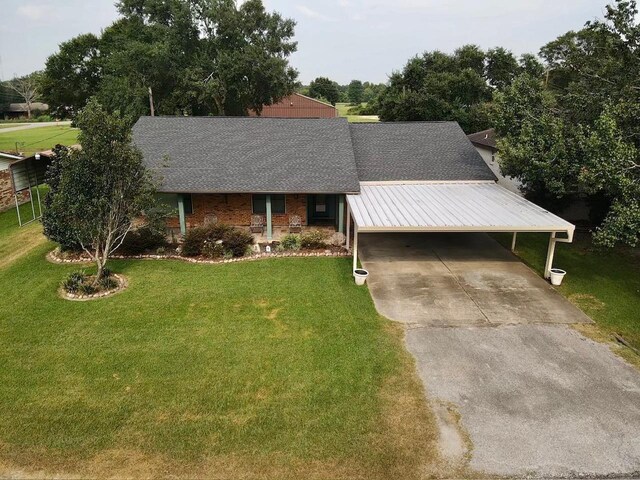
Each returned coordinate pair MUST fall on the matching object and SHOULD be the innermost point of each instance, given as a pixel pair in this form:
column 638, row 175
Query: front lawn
column 268, row 369
column 38, row 139
column 606, row 286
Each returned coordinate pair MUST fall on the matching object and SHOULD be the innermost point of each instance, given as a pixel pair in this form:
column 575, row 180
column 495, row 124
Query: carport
column 478, row 206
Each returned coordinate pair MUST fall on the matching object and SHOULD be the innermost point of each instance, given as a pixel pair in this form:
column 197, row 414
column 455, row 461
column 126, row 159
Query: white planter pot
column 361, row 276
column 556, row 276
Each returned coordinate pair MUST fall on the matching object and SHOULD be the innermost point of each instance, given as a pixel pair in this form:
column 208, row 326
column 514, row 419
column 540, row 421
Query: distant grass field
column 34, row 140
column 343, row 109
column 9, row 125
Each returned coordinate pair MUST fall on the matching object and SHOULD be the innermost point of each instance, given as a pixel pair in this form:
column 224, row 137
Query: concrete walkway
column 27, row 126
column 516, row 391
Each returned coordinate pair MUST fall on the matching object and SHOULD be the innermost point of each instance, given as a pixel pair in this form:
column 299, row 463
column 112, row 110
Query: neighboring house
column 20, row 110
column 298, row 106
column 7, row 199
column 376, row 177
column 485, row 143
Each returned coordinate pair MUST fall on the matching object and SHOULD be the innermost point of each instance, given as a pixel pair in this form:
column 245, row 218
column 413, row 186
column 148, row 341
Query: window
column 171, row 200
column 277, row 204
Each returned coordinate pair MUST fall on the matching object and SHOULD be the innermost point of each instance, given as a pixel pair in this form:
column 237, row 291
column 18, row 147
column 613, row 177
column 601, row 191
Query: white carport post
column 552, row 250
column 355, row 247
column 348, row 226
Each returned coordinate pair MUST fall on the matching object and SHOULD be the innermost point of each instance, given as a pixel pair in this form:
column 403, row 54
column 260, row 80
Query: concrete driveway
column 457, row 279
column 517, row 392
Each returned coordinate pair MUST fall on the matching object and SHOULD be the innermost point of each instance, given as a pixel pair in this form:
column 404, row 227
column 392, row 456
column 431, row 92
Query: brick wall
column 235, row 209
column 6, row 192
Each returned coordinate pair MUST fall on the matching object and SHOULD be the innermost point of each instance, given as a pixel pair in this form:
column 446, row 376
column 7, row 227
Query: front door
column 321, row 209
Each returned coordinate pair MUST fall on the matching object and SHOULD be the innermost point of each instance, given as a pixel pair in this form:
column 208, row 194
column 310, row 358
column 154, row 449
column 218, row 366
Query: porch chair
column 210, row 219
column 295, row 224
column 257, row 224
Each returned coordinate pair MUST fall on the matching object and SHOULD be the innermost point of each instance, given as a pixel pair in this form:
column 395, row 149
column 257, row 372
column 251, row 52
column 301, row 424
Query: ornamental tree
column 97, row 191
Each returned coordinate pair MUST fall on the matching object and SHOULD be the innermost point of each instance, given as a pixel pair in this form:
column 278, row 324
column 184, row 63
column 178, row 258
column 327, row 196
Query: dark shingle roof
column 416, row 151
column 485, row 138
column 242, row 154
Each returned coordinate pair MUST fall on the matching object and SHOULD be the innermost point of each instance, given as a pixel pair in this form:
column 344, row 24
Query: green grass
column 343, row 109
column 8, row 125
column 606, row 286
column 269, row 369
column 37, row 139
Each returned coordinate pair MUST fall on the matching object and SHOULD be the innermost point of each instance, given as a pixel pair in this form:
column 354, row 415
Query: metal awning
column 450, row 207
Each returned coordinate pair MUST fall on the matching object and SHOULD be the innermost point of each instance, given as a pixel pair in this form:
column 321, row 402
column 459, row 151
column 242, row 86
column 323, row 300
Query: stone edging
column 53, row 257
column 78, row 297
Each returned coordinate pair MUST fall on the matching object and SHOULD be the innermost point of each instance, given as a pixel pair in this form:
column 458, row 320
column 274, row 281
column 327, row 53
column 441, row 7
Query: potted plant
column 556, row 276
column 360, row 275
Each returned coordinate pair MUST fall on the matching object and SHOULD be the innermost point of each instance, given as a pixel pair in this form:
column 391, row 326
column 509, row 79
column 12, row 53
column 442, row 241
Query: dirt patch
column 23, row 241
column 596, row 334
column 586, row 301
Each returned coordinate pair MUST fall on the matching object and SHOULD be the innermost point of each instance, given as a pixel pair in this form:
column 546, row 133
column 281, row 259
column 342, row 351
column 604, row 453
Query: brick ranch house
column 325, row 172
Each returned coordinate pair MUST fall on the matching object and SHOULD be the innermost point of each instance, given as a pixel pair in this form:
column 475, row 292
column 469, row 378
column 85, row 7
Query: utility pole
column 153, row 114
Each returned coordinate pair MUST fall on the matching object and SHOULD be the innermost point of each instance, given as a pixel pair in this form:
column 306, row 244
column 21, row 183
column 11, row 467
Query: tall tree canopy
column 326, row 89
column 355, row 92
column 578, row 132
column 439, row 86
column 98, row 191
column 188, row 56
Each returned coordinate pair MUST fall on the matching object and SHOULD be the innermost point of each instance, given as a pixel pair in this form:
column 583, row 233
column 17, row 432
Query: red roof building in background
column 298, row 106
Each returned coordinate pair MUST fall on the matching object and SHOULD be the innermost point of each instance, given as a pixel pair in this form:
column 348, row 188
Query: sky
column 340, row 39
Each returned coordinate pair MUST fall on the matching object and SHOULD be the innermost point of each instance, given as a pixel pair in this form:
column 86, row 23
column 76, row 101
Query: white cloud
column 35, row 12
column 310, row 13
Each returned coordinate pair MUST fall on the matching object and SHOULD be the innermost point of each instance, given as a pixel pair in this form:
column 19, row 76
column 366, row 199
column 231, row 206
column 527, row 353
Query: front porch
column 268, row 216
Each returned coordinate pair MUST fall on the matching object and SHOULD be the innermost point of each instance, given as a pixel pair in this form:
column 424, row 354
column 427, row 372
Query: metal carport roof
column 449, row 207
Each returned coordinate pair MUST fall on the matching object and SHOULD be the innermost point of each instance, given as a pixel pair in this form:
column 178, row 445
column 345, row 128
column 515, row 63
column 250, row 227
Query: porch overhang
column 480, row 206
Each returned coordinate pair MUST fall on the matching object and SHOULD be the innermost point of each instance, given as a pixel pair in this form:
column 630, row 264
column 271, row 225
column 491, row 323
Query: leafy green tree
column 97, row 191
column 438, row 86
column 577, row 131
column 322, row 87
column 355, row 92
column 196, row 57
column 72, row 75
column 502, row 67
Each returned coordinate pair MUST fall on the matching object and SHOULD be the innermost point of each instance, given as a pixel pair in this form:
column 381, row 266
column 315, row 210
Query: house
column 350, row 178
column 21, row 110
column 297, row 105
column 485, row 143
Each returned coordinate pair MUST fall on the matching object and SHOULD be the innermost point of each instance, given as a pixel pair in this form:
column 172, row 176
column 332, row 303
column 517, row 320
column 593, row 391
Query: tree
column 28, row 88
column 322, row 87
column 438, row 86
column 97, row 191
column 355, row 92
column 72, row 75
column 502, row 67
column 577, row 131
column 196, row 57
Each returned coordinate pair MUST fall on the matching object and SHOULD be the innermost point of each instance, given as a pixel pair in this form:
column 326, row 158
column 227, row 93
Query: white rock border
column 78, row 297
column 54, row 257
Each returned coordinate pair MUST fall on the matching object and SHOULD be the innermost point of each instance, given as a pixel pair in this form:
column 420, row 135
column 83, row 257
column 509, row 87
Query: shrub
column 290, row 242
column 212, row 249
column 313, row 240
column 87, row 289
column 202, row 241
column 141, row 240
column 337, row 239
column 74, row 282
column 237, row 242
